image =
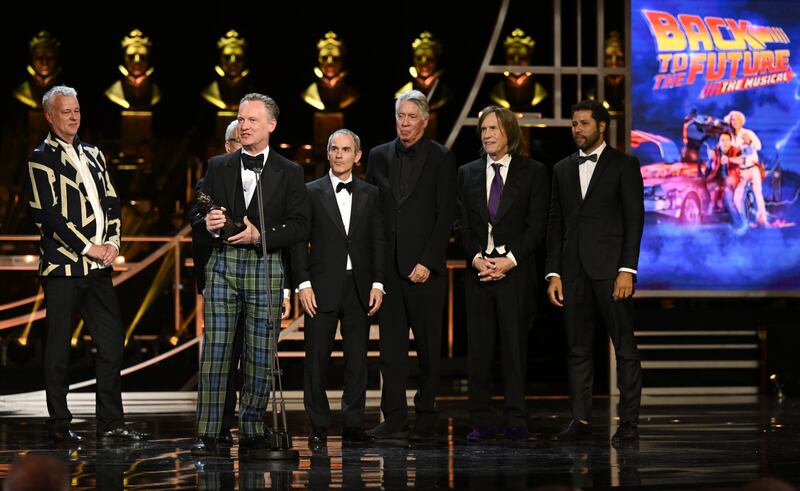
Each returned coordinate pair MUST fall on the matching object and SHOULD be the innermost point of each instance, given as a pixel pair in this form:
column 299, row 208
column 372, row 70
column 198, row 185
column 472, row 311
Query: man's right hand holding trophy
column 219, row 223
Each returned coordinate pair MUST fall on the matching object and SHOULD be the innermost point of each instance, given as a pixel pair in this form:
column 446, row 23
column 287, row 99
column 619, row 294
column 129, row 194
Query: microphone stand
column 281, row 441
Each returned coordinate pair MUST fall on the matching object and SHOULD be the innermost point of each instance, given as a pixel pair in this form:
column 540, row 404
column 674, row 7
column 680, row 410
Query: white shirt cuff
column 510, row 255
column 287, row 293
column 552, row 274
column 628, row 270
column 378, row 286
column 304, row 285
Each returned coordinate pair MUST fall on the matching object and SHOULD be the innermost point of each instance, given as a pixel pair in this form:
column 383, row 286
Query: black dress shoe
column 627, row 433
column 60, row 437
column 206, row 446
column 354, row 434
column 122, row 434
column 225, row 438
column 574, row 431
column 389, row 431
column 422, row 433
column 255, row 447
column 318, row 436
column 519, row 434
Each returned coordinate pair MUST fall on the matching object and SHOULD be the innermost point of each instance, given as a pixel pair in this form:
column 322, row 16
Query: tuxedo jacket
column 601, row 232
column 521, row 219
column 417, row 226
column 285, row 212
column 61, row 209
column 325, row 263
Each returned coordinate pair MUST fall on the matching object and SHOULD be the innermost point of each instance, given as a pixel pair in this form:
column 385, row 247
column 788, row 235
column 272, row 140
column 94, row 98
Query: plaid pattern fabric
column 235, row 285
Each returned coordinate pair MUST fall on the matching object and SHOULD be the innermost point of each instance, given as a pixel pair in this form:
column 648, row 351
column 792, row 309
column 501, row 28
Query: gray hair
column 50, row 95
column 417, row 98
column 729, row 117
column 231, row 128
column 269, row 102
column 346, row 132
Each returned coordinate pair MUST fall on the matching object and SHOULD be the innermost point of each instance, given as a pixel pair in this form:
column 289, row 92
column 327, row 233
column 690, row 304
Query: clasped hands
column 492, row 268
column 105, row 253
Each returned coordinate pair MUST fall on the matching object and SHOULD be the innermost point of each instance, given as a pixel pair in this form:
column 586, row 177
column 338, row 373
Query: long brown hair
column 508, row 125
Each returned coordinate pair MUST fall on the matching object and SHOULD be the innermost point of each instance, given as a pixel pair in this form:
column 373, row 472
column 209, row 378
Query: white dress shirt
column 249, row 183
column 345, row 202
column 585, row 172
column 505, row 163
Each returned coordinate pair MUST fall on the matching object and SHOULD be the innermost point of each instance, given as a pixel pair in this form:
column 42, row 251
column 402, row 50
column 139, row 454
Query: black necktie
column 252, row 163
column 345, row 185
column 584, row 158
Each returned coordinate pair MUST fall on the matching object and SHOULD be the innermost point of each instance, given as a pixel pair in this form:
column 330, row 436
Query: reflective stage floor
column 688, row 445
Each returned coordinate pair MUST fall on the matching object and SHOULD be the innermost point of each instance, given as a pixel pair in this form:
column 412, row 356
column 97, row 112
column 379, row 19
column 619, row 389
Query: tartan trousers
column 236, row 286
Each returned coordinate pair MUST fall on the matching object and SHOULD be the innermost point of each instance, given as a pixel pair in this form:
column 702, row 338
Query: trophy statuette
column 231, row 226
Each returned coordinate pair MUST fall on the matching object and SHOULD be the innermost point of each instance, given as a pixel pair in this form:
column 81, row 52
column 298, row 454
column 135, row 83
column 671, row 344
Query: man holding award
column 237, row 283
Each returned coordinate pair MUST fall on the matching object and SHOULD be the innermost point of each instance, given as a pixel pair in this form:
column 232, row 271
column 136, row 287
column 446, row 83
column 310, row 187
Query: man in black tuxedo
column 416, row 179
column 593, row 238
column 77, row 210
column 236, row 281
column 340, row 279
column 502, row 216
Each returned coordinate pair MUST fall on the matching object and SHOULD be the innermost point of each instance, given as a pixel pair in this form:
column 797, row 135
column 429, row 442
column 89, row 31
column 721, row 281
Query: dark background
column 281, row 53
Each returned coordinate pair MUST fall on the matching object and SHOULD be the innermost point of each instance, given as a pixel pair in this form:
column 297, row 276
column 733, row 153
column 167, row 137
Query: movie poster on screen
column 716, row 128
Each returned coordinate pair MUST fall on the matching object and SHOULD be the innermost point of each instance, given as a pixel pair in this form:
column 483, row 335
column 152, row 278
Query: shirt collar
column 76, row 143
column 597, row 151
column 335, row 180
column 505, row 161
column 410, row 151
column 264, row 152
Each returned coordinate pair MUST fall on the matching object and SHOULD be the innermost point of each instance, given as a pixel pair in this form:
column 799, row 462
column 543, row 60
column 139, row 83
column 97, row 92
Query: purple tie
column 495, row 193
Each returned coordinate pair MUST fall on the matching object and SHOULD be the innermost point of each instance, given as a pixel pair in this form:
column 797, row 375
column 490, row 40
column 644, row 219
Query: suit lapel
column 328, row 198
column 478, row 184
column 600, row 168
column 516, row 174
column 230, row 174
column 357, row 206
column 422, row 157
column 574, row 177
column 393, row 161
column 270, row 178
column 65, row 157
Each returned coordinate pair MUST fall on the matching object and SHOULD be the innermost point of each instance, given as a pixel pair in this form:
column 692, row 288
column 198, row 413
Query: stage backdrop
column 721, row 198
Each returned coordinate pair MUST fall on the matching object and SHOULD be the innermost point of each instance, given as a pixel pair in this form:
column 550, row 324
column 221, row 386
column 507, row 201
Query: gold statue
column 43, row 70
column 615, row 86
column 226, row 92
column 425, row 74
column 136, row 90
column 330, row 92
column 518, row 92
column 614, row 51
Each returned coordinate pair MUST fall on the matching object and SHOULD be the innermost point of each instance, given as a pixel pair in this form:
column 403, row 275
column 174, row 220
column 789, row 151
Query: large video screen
column 716, row 128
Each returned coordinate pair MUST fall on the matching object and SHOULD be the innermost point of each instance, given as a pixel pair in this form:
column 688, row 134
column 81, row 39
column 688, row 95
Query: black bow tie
column 345, row 185
column 584, row 158
column 253, row 163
